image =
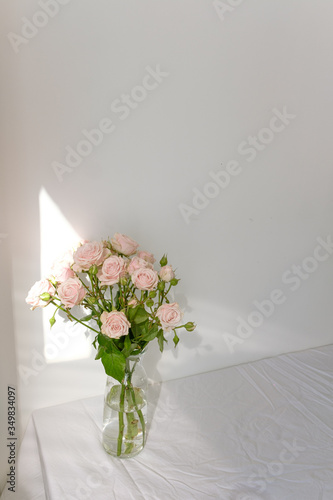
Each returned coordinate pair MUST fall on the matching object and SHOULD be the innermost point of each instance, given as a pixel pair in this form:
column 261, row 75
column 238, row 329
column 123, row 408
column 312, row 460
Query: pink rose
column 112, row 270
column 68, row 256
column 137, row 263
column 145, row 278
column 166, row 273
column 71, row 292
column 124, row 244
column 169, row 315
column 61, row 271
column 40, row 287
column 114, row 324
column 133, row 302
column 89, row 254
column 147, row 256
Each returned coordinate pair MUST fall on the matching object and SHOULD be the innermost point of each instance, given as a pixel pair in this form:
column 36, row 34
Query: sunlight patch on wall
column 66, row 341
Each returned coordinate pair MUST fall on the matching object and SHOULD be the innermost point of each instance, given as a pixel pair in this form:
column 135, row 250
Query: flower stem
column 121, row 420
column 126, row 388
column 75, row 319
column 139, row 412
column 111, row 297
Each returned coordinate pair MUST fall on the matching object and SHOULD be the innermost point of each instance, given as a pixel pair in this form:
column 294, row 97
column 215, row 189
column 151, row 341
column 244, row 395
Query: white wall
column 226, row 74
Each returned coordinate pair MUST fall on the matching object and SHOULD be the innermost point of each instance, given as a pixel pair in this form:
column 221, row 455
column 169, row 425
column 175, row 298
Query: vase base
column 129, row 447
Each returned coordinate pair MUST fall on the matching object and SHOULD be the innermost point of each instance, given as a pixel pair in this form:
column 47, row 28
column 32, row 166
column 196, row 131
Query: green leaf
column 100, row 352
column 150, row 334
column 130, row 350
column 161, row 339
column 114, row 364
column 105, row 341
column 137, row 315
column 87, row 318
column 140, row 330
column 127, row 346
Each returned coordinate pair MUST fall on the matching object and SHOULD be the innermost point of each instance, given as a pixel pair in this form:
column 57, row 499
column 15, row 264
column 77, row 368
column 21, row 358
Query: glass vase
column 125, row 411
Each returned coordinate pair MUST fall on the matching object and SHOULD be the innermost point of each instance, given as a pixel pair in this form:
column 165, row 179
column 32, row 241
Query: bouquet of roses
column 125, row 298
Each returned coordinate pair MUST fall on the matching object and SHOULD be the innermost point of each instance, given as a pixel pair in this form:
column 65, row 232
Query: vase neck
column 131, row 363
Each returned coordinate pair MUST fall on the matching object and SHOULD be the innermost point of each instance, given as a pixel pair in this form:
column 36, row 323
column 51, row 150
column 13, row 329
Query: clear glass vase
column 125, row 411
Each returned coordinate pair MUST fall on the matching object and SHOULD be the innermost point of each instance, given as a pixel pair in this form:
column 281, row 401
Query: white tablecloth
column 259, row 431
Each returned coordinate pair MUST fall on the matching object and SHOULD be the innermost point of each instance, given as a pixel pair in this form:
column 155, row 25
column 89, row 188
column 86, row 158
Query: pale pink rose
column 68, row 256
column 137, row 263
column 61, row 271
column 114, row 324
column 124, row 244
column 40, row 287
column 89, row 254
column 145, row 278
column 113, row 269
column 133, row 302
column 71, row 292
column 169, row 315
column 147, row 256
column 166, row 273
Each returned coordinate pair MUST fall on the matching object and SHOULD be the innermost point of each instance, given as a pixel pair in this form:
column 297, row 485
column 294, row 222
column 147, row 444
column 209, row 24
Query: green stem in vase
column 132, row 399
column 140, row 415
column 121, row 419
column 132, row 431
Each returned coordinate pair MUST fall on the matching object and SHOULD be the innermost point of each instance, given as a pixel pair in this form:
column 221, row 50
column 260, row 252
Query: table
column 258, row 431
